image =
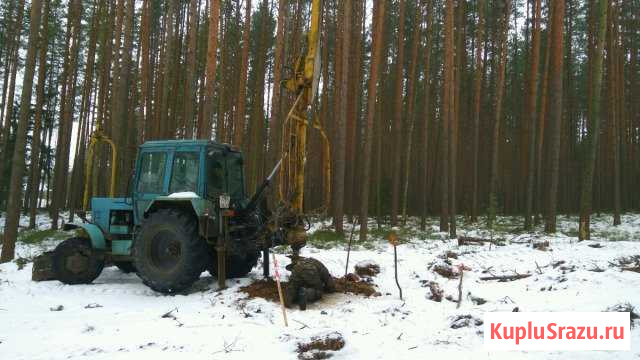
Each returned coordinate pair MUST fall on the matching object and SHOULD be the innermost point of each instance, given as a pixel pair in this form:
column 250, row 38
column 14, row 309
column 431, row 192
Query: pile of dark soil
column 263, row 288
column 367, row 269
column 268, row 289
column 321, row 347
column 628, row 263
column 359, row 287
column 446, row 271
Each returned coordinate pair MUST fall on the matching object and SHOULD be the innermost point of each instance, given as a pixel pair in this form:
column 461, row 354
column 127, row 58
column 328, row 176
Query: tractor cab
column 171, row 171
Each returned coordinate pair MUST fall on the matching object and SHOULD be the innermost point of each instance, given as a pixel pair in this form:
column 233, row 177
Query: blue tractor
column 187, row 212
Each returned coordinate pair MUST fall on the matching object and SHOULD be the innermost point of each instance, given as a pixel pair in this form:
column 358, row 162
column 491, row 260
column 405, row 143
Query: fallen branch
column 468, row 240
column 301, row 323
column 228, row 347
column 169, row 315
column 503, row 278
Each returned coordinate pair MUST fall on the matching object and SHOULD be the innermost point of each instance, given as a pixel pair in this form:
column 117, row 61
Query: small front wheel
column 76, row 262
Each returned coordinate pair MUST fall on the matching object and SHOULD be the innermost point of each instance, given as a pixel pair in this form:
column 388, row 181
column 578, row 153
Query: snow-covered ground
column 117, row 317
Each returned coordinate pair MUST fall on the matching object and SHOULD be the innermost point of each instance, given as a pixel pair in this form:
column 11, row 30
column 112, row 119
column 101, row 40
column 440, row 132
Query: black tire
column 76, row 262
column 237, row 266
column 169, row 255
column 125, row 266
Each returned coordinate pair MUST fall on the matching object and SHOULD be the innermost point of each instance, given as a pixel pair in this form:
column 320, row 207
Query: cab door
column 151, row 180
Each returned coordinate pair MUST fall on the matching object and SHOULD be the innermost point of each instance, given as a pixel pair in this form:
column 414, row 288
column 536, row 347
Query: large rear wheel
column 76, row 262
column 169, row 255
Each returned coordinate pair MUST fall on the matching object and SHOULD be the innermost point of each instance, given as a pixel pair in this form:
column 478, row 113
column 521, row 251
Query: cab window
column 235, row 178
column 184, row 176
column 152, row 172
column 215, row 180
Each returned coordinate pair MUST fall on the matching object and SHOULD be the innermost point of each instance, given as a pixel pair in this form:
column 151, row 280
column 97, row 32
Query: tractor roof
column 185, row 143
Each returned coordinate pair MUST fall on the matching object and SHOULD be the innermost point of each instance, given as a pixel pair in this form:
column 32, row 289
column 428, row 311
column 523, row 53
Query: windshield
column 152, row 172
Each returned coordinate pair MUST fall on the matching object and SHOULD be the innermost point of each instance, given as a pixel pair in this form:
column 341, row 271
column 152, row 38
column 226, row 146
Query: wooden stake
column 395, row 267
column 284, row 309
column 394, row 241
column 460, row 286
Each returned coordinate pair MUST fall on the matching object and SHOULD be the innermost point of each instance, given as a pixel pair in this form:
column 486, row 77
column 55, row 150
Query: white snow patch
column 213, row 324
column 184, row 195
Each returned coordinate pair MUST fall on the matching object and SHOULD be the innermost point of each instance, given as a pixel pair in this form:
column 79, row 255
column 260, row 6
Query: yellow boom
column 96, row 137
column 304, row 84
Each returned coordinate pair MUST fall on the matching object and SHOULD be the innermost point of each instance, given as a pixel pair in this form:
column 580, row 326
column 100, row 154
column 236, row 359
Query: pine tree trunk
column 500, row 85
column 61, row 169
column 204, row 129
column 34, row 177
column 427, row 114
column 397, row 119
column 145, row 69
column 377, row 26
column 542, row 123
column 411, row 86
column 555, row 113
column 168, row 73
column 593, row 134
column 615, row 110
column 6, row 54
column 532, row 112
column 190, row 95
column 13, row 59
column 275, row 122
column 341, row 129
column 447, row 102
column 477, row 97
column 239, row 121
column 18, row 162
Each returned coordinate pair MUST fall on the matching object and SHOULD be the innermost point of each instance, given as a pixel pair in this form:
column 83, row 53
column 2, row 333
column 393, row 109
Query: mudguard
column 190, row 200
column 93, row 231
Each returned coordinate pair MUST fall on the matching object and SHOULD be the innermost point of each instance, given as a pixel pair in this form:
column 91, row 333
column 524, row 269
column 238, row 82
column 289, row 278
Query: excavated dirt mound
column 268, row 289
column 264, row 288
column 347, row 285
column 321, row 347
